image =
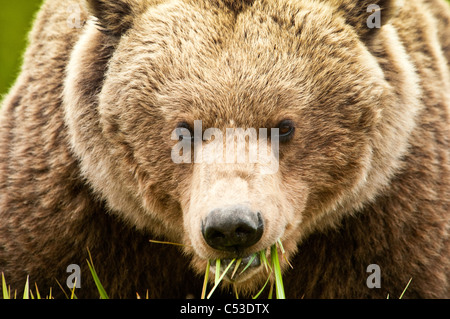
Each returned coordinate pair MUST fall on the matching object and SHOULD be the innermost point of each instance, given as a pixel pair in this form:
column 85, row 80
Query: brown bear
column 357, row 93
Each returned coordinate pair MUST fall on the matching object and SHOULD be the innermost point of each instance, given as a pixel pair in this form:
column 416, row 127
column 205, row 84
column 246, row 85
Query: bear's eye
column 184, row 131
column 286, row 130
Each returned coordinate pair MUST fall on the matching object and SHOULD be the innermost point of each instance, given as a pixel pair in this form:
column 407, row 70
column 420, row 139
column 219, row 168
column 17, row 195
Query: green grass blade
column 404, row 290
column 167, row 243
column 4, row 288
column 101, row 290
column 217, row 277
column 236, row 268
column 205, row 281
column 220, row 279
column 26, row 290
column 249, row 263
column 235, row 292
column 279, row 288
column 281, row 246
column 65, row 294
column 270, row 291
column 283, row 253
column 72, row 295
column 264, row 260
column 259, row 292
column 38, row 295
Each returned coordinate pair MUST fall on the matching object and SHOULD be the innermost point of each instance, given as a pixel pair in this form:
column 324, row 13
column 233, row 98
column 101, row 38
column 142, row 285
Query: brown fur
column 85, row 144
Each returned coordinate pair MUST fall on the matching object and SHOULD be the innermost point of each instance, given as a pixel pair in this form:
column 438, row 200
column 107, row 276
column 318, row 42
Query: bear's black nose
column 232, row 228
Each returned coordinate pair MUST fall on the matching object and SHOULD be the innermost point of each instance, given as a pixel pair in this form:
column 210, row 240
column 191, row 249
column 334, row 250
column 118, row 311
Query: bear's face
column 183, row 70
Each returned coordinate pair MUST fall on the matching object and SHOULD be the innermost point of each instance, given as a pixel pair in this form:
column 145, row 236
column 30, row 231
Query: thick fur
column 85, row 144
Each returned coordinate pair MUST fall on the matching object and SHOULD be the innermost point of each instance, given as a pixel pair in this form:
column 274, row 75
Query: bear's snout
column 232, row 228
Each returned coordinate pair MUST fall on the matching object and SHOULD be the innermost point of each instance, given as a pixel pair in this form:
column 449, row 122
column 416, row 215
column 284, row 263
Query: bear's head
column 152, row 87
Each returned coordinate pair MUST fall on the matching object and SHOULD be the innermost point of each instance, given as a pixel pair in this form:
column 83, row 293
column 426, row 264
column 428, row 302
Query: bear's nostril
column 215, row 234
column 232, row 228
column 240, row 231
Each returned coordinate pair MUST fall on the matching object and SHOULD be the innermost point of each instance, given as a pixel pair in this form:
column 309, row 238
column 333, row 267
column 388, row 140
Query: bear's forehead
column 261, row 34
column 221, row 102
column 208, row 65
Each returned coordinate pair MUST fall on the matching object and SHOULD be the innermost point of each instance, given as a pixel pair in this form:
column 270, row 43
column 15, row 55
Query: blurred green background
column 16, row 18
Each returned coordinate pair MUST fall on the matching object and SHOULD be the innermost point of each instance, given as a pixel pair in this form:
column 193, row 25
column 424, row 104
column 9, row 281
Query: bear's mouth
column 241, row 269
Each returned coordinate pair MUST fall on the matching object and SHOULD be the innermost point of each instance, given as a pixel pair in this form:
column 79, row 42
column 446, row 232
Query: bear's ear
column 367, row 16
column 116, row 16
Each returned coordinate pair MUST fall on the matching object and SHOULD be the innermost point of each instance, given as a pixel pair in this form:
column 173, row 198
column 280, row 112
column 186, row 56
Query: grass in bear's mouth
column 272, row 267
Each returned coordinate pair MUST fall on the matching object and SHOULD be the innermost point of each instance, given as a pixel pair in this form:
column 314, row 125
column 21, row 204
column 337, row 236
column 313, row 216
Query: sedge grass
column 249, row 263
column 279, row 287
column 205, row 281
column 38, row 295
column 167, row 243
column 5, row 290
column 219, row 280
column 217, row 277
column 238, row 262
column 27, row 291
column 100, row 288
column 262, row 289
column 406, row 288
column 273, row 269
column 262, row 256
